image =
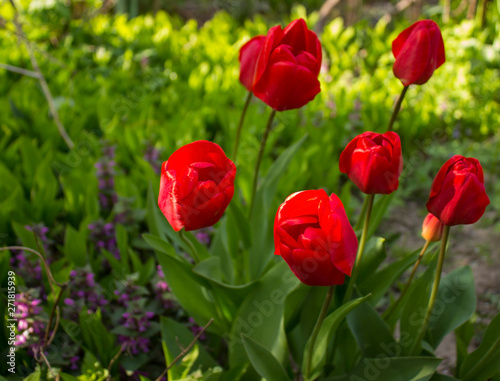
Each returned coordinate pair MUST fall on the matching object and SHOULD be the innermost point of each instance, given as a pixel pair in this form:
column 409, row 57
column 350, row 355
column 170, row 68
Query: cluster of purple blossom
column 84, row 293
column 103, row 235
column 31, row 325
column 135, row 319
column 106, row 178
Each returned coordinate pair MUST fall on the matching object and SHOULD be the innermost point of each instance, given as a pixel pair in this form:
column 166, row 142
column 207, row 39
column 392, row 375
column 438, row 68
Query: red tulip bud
column 314, row 237
column 432, row 228
column 457, row 195
column 282, row 68
column 197, row 184
column 373, row 162
column 419, row 50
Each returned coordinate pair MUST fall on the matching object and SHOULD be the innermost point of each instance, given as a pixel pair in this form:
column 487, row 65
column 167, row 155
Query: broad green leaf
column 463, row 337
column 75, row 245
column 371, row 332
column 261, row 251
column 261, row 315
column 36, row 376
column 414, row 308
column 373, row 256
column 379, row 282
column 191, row 292
column 454, row 305
column 484, row 362
column 241, row 222
column 159, row 244
column 96, row 337
column 378, row 212
column 392, row 369
column 330, row 325
column 27, row 237
column 442, row 377
column 68, row 377
column 263, row 361
column 235, row 373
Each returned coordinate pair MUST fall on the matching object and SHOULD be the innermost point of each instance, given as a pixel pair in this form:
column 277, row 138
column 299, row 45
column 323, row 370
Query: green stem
column 317, row 327
column 362, row 214
column 259, row 158
column 361, row 248
column 392, row 308
column 434, row 292
column 194, row 253
column 240, row 125
column 397, row 107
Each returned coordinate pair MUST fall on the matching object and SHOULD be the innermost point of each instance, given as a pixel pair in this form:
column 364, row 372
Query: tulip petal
column 413, row 57
column 249, row 54
column 295, row 34
column 286, row 86
column 271, row 41
column 314, row 268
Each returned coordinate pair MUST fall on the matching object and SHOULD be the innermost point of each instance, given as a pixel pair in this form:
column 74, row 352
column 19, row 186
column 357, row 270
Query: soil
column 475, row 245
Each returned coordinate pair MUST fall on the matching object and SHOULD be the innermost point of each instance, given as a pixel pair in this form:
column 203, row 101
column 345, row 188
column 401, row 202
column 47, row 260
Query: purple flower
column 31, row 325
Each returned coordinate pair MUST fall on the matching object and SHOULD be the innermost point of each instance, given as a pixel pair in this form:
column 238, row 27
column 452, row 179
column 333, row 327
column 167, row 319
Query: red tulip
column 373, row 162
column 314, row 237
column 432, row 228
column 419, row 50
column 282, row 68
column 197, row 184
column 457, row 195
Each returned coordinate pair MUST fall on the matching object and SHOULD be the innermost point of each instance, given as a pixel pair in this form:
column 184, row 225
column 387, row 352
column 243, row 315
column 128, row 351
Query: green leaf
column 484, row 362
column 373, row 256
column 68, row 377
column 96, row 337
column 442, row 377
column 241, row 223
column 175, row 336
column 330, row 325
column 261, row 315
column 159, row 244
column 455, row 303
column 392, row 369
column 379, row 282
column 33, row 376
column 263, row 361
column 261, row 251
column 192, row 292
column 75, row 245
column 378, row 212
column 371, row 332
column 463, row 337
column 415, row 306
column 27, row 237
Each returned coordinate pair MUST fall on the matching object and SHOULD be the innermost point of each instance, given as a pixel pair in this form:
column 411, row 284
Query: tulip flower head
column 458, row 195
column 197, row 184
column 282, row 67
column 419, row 50
column 373, row 162
column 432, row 228
column 313, row 235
